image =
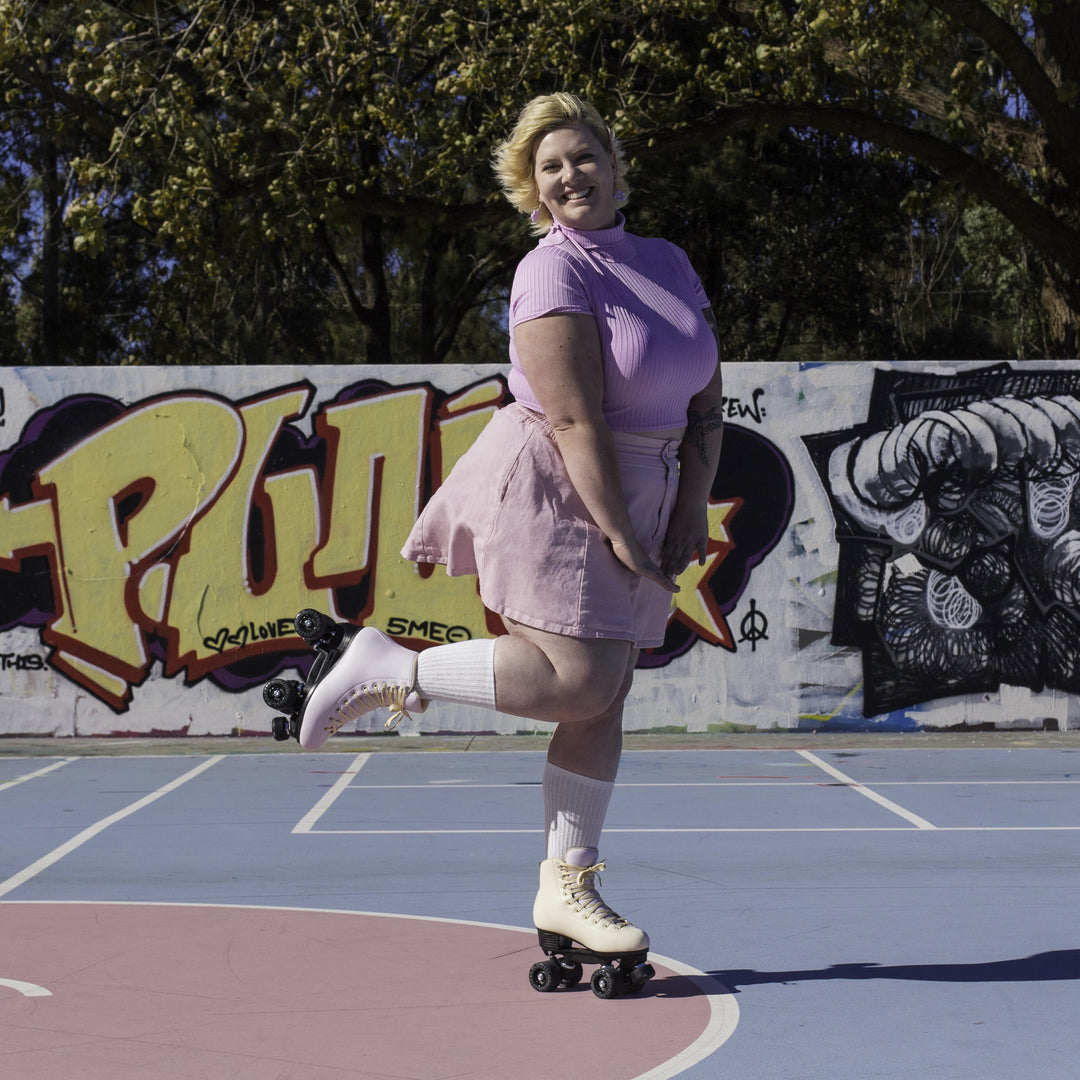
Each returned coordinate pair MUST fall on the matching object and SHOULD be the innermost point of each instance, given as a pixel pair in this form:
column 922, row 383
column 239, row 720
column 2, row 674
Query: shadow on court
column 1060, row 965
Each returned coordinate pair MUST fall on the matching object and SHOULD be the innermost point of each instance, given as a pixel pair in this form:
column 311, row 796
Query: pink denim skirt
column 509, row 514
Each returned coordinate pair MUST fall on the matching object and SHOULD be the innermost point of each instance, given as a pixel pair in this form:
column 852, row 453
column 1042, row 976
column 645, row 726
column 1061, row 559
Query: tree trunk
column 376, row 293
column 1062, row 306
column 429, row 301
column 52, row 237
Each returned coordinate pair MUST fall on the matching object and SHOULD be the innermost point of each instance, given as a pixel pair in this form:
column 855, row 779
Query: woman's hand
column 635, row 558
column 687, row 536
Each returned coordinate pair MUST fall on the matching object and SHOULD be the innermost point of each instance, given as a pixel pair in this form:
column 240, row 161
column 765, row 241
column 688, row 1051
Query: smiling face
column 575, row 177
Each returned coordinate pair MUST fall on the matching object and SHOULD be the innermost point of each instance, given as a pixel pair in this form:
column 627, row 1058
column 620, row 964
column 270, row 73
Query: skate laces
column 579, row 885
column 369, row 696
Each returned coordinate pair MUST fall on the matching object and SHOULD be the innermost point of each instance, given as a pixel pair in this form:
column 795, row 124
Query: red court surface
column 92, row 991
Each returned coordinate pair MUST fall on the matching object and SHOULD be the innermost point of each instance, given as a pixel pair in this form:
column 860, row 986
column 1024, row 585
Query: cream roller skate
column 357, row 669
column 576, row 927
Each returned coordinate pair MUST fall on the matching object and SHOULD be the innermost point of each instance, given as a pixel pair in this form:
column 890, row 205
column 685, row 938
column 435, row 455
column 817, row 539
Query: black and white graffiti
column 958, row 516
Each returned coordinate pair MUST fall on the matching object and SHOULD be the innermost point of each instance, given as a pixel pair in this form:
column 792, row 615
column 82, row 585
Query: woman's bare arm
column 699, row 455
column 561, row 358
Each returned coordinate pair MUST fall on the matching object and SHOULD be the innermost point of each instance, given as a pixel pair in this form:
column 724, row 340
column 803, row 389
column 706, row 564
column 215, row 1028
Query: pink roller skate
column 356, row 670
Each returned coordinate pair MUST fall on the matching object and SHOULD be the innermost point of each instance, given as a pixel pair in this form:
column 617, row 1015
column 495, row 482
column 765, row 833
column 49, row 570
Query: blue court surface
column 818, row 907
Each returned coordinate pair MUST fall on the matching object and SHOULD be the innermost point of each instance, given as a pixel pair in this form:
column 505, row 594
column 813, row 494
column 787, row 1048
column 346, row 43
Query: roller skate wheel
column 279, row 694
column 545, row 976
column 605, row 981
column 312, row 625
column 280, row 728
column 571, row 972
column 638, row 977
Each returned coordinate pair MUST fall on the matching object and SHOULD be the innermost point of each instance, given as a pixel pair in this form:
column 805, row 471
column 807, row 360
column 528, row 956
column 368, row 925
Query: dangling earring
column 534, row 217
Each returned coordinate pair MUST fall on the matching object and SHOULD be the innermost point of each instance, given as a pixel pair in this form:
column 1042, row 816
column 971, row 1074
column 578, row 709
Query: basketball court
column 819, row 907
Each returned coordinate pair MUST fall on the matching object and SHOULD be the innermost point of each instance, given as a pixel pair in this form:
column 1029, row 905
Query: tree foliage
column 985, row 94
column 241, row 181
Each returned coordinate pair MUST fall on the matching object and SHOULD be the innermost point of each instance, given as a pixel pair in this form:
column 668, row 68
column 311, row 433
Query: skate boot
column 356, row 670
column 576, row 927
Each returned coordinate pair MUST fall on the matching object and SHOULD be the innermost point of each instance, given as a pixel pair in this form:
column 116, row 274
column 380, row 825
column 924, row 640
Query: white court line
column 692, row 829
column 723, row 1020
column 465, row 785
column 907, row 815
column 307, row 824
column 27, row 989
column 91, row 831
column 304, row 825
column 468, row 785
column 966, row 783
column 34, row 775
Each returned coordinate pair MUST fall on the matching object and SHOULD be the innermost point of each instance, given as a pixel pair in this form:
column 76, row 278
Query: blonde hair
column 514, row 158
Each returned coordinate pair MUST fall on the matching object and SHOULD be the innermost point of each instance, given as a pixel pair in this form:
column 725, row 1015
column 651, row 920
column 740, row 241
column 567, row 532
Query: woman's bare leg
column 579, row 778
column 593, row 747
column 559, row 679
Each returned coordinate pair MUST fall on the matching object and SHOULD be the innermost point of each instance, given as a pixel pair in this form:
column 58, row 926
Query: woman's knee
column 567, row 678
column 597, row 687
column 590, row 698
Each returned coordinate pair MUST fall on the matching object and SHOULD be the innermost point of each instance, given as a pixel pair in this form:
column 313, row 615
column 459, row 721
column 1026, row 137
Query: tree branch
column 934, row 102
column 57, row 95
column 486, row 270
column 458, row 218
column 356, row 306
column 1040, row 90
column 1055, row 238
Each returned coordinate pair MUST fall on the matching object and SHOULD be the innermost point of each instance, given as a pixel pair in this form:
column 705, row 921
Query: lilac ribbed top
column 658, row 349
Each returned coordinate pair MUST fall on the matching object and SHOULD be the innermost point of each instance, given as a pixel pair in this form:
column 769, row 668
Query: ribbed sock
column 463, row 672
column 575, row 807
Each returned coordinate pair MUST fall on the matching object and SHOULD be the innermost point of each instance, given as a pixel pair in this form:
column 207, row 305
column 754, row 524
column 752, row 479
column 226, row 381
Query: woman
column 578, row 505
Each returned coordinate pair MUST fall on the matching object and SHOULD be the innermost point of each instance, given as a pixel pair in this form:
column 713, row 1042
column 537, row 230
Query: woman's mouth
column 577, row 196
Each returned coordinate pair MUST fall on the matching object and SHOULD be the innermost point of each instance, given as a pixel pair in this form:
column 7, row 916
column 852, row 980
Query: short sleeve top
column 658, row 349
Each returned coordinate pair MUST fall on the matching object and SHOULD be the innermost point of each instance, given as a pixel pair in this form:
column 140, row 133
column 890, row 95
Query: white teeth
column 574, row 196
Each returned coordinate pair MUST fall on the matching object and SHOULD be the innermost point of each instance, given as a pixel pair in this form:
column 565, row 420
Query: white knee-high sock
column 575, row 807
column 463, row 672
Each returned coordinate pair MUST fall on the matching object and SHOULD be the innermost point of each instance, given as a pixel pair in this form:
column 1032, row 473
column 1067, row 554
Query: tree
column 301, row 178
column 289, row 164
column 74, row 301
column 796, row 239
column 985, row 94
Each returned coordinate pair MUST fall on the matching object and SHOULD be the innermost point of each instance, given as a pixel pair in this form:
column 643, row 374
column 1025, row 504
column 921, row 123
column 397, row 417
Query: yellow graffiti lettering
column 109, row 687
column 434, row 605
column 217, row 606
column 120, row 498
column 173, row 524
column 694, row 603
column 25, row 530
column 374, row 470
column 374, row 453
column 484, row 395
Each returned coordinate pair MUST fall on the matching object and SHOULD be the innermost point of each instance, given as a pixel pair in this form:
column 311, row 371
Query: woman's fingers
column 635, row 558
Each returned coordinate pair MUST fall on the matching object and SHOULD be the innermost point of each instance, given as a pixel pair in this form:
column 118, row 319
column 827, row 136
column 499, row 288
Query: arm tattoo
column 699, row 426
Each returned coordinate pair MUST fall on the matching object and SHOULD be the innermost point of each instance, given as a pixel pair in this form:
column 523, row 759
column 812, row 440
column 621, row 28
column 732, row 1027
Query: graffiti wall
column 892, row 547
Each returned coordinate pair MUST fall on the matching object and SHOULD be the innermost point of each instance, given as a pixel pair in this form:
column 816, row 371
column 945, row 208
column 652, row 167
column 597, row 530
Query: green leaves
column 324, row 158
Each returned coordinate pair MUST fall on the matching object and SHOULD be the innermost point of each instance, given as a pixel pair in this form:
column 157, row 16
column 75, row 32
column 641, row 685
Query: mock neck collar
column 589, row 238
